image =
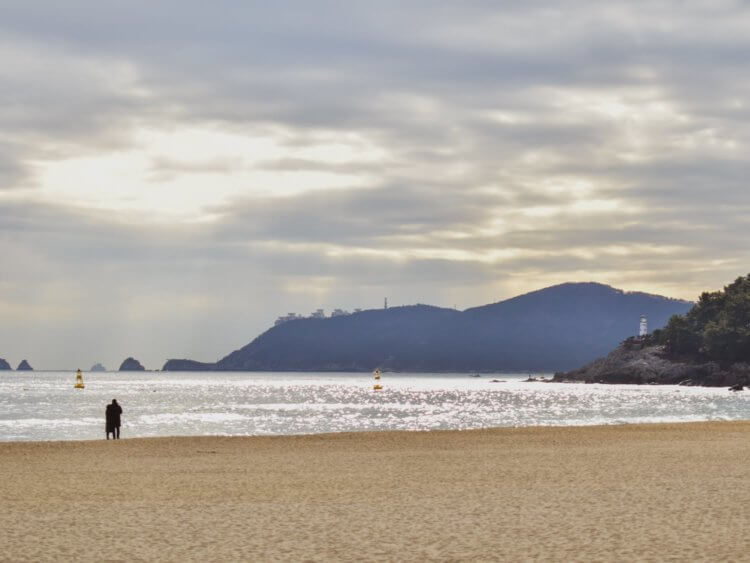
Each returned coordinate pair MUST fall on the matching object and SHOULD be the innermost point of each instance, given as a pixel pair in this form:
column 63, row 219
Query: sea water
column 45, row 406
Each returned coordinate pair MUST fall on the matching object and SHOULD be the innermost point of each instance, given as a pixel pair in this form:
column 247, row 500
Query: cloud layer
column 173, row 177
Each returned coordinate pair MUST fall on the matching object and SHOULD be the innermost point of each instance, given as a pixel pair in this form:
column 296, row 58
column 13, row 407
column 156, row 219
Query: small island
column 98, row 367
column 187, row 365
column 24, row 366
column 4, row 365
column 708, row 346
column 131, row 364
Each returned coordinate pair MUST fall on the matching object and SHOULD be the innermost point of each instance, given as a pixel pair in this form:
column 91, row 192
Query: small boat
column 79, row 380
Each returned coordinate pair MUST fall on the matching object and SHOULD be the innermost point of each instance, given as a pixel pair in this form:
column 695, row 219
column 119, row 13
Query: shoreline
column 377, row 432
column 629, row 491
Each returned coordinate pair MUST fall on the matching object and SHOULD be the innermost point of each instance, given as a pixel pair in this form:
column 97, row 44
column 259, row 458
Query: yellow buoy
column 377, row 385
column 79, row 380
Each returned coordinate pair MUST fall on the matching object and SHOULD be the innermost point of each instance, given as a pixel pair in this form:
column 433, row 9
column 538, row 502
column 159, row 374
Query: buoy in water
column 377, row 385
column 79, row 380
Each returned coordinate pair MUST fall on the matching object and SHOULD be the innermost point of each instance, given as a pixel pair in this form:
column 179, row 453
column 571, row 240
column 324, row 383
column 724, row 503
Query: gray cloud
column 357, row 216
column 12, row 172
column 500, row 123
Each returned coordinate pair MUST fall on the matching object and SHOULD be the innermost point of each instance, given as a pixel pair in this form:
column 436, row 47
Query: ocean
column 40, row 406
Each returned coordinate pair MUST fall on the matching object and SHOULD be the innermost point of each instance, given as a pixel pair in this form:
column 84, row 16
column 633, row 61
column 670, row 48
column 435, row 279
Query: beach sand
column 657, row 492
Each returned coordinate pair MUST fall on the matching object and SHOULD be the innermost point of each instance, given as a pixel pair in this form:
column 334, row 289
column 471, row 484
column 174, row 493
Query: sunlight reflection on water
column 44, row 405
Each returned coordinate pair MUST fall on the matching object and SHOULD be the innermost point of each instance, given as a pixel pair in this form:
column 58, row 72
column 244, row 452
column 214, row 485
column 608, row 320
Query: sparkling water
column 45, row 406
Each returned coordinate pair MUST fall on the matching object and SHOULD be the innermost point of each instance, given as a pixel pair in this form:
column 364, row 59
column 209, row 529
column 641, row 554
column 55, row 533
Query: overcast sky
column 174, row 175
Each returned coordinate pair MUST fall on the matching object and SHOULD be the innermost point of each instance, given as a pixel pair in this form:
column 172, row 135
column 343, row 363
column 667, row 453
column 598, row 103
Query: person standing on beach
column 112, row 416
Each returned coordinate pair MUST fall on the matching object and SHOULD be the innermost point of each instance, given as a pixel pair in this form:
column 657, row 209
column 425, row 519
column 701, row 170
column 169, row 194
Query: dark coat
column 112, row 416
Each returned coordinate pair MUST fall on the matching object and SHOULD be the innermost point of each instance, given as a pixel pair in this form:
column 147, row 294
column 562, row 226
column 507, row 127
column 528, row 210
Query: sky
column 174, row 175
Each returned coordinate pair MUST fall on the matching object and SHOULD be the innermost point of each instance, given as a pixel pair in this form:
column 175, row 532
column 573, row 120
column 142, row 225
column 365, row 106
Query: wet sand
column 656, row 492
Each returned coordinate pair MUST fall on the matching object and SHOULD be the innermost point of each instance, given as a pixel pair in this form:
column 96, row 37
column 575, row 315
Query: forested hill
column 552, row 329
column 710, row 345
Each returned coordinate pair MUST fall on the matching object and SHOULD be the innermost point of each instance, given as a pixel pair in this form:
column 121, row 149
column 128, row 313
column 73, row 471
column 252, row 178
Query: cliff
column 131, row 364
column 556, row 328
column 24, row 366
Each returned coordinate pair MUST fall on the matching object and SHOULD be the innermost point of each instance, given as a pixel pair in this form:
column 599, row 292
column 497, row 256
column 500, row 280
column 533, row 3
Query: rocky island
column 4, row 365
column 98, row 367
column 131, row 364
column 709, row 346
column 24, row 366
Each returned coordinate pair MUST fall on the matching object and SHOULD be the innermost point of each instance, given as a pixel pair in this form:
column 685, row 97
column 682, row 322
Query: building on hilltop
column 317, row 314
column 339, row 313
column 286, row 318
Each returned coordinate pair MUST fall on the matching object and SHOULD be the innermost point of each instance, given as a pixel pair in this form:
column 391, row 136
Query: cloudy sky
column 174, row 174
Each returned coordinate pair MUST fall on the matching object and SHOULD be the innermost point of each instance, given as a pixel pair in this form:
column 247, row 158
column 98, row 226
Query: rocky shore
column 632, row 362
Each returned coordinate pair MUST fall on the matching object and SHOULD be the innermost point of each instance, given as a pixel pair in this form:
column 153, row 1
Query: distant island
column 188, row 365
column 98, row 367
column 24, row 366
column 710, row 345
column 131, row 364
column 4, row 366
column 552, row 329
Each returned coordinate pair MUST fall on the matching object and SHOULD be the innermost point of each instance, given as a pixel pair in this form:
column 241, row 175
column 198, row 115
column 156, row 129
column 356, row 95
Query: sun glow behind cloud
column 183, row 173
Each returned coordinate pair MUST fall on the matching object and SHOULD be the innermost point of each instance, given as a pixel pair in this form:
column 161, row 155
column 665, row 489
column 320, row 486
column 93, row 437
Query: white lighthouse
column 643, row 329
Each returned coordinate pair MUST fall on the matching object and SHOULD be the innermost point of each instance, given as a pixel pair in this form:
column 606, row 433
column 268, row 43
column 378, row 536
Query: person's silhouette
column 112, row 415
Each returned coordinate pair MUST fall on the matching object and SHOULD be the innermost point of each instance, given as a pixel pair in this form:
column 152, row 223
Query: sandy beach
column 655, row 492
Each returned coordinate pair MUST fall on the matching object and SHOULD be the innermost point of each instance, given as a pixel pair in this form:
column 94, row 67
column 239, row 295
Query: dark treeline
column 716, row 329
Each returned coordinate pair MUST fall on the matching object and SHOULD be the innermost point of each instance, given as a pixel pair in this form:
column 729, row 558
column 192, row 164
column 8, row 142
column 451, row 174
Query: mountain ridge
column 559, row 327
